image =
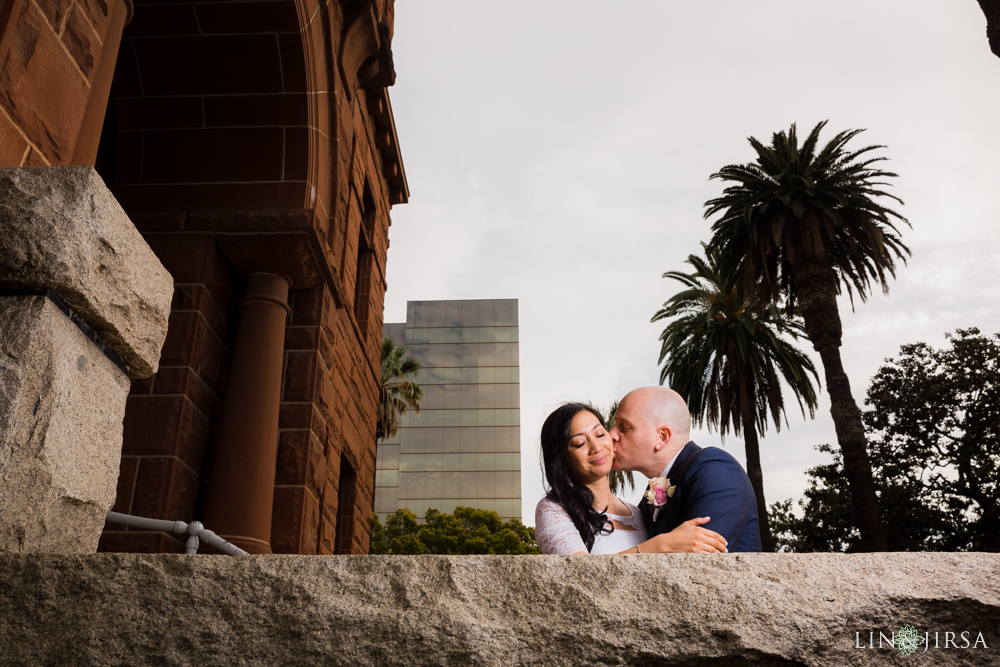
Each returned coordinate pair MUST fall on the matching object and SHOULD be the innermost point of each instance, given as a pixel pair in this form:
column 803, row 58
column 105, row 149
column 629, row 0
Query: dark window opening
column 363, row 278
column 345, row 507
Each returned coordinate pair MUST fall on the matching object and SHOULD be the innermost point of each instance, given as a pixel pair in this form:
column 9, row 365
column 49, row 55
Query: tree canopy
column 934, row 433
column 468, row 531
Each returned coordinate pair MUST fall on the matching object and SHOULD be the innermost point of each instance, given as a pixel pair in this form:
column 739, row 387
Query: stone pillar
column 241, row 487
column 84, row 305
column 89, row 137
column 57, row 60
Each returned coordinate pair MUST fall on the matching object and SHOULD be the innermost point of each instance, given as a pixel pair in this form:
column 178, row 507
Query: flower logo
column 908, row 640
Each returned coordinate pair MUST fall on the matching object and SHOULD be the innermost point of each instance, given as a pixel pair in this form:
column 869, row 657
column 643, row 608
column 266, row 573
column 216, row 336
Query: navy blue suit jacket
column 710, row 482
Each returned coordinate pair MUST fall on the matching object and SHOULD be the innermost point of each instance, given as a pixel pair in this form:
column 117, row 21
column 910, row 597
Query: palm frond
column 828, row 204
column 398, row 393
column 723, row 351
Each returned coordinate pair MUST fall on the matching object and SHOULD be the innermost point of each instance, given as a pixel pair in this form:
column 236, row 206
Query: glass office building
column 464, row 448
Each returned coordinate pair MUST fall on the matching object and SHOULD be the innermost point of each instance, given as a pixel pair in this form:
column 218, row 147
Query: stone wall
column 733, row 609
column 241, row 138
column 69, row 46
column 83, row 308
column 249, row 136
column 61, row 405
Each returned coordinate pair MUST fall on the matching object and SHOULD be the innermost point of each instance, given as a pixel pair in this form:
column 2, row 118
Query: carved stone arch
column 212, row 108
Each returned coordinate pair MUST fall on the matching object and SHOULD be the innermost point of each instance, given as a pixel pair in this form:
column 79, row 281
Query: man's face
column 632, row 437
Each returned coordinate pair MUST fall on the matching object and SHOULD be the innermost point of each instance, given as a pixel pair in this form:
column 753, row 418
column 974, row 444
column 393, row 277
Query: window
column 363, row 275
column 345, row 508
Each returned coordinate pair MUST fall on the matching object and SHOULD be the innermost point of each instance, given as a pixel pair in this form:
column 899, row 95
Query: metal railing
column 194, row 530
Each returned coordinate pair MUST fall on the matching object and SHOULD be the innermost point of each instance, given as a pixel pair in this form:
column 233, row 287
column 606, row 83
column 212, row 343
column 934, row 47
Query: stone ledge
column 61, row 407
column 62, row 230
column 732, row 609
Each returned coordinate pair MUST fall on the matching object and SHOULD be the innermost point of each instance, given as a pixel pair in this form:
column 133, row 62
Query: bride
column 580, row 515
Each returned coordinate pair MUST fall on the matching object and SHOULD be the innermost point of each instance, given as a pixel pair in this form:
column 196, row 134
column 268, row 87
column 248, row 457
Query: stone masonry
column 83, row 307
column 57, row 58
column 672, row 609
column 253, row 145
column 61, row 406
column 241, row 146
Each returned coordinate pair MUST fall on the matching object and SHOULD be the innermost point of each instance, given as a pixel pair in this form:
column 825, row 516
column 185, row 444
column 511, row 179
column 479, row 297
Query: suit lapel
column 670, row 517
column 647, row 513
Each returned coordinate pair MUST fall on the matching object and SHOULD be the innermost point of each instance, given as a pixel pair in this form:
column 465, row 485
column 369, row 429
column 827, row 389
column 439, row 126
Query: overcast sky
column 559, row 153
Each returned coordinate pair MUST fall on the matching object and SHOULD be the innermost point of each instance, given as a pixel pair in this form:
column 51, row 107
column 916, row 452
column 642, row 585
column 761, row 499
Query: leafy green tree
column 467, row 531
column 934, row 427
column 726, row 354
column 802, row 223
column 399, row 536
column 398, row 392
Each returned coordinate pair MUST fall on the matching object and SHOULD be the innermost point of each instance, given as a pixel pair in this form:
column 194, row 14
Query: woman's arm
column 689, row 537
column 555, row 532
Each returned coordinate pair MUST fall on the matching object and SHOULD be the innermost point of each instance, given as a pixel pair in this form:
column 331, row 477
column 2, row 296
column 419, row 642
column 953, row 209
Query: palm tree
column 802, row 224
column 397, row 393
column 725, row 354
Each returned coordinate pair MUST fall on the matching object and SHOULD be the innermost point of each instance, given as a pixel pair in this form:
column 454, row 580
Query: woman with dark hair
column 580, row 515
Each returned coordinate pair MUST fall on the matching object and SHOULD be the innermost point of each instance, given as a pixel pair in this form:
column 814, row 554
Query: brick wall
column 50, row 58
column 212, row 107
column 172, row 417
column 229, row 123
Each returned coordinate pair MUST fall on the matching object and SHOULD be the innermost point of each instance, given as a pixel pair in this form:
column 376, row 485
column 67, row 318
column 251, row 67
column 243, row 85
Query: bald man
column 651, row 435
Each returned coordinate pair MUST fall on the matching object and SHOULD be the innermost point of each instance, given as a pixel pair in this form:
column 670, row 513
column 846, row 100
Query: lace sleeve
column 554, row 530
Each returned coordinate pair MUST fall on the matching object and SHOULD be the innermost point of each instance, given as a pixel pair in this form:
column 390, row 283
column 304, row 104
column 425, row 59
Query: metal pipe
column 195, row 531
column 192, row 542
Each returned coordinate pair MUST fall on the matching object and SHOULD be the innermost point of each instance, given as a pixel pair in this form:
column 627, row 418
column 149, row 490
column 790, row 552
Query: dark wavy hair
column 575, row 498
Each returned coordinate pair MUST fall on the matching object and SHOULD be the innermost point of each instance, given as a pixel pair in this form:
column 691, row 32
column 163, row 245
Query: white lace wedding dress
column 556, row 534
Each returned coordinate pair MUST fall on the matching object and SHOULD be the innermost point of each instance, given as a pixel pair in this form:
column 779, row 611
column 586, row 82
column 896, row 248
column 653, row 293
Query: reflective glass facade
column 464, row 448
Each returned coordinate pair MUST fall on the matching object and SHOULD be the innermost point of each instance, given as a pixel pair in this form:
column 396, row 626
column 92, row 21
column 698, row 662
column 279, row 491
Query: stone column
column 84, row 305
column 241, row 487
column 89, row 137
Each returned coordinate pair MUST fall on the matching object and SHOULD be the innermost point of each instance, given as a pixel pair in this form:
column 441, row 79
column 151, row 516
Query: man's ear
column 663, row 435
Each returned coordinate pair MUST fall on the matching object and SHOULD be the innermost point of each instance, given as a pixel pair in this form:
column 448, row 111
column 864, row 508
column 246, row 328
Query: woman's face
column 589, row 453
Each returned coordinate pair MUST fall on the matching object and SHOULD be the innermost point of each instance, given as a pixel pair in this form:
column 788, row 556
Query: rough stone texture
column 61, row 407
column 34, row 62
column 746, row 609
column 50, row 51
column 61, row 229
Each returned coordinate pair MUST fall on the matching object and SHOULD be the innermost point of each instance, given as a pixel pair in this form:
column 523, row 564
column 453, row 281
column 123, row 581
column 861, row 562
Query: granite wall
column 731, row 609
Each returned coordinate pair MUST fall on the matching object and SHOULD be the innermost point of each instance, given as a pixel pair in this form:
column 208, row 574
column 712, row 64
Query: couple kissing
column 699, row 499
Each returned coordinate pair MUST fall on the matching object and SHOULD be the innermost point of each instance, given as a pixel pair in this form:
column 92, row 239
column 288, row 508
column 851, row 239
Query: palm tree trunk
column 816, row 290
column 755, row 473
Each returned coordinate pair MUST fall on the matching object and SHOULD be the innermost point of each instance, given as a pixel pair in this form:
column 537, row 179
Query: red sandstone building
column 253, row 145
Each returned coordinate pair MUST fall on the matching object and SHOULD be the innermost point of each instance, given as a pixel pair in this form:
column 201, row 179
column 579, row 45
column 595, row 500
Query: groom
column 650, row 435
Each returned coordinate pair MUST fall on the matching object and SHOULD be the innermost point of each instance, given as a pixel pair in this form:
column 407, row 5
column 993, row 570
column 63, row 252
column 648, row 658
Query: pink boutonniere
column 659, row 494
